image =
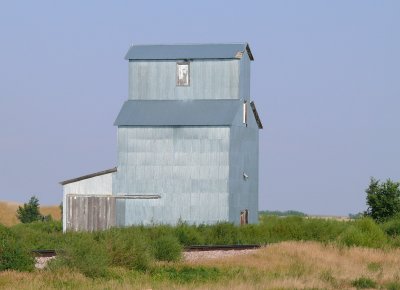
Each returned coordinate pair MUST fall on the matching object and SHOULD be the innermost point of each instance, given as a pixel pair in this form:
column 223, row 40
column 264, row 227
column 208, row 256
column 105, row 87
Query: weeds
column 167, row 248
column 363, row 282
column 187, row 274
column 13, row 256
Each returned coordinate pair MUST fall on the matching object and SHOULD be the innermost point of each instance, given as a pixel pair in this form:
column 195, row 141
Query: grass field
column 8, row 212
column 285, row 265
column 301, row 253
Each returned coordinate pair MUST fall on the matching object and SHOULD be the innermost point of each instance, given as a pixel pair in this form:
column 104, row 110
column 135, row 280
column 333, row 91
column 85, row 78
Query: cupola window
column 182, row 74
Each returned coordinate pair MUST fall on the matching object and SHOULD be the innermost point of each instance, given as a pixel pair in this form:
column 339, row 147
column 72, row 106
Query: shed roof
column 89, row 176
column 188, row 51
column 178, row 112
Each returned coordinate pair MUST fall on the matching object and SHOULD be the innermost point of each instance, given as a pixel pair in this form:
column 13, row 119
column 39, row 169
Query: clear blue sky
column 326, row 82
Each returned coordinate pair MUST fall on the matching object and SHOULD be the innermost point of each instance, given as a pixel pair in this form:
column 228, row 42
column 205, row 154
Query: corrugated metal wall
column 244, row 78
column 187, row 166
column 243, row 158
column 209, row 79
column 243, row 193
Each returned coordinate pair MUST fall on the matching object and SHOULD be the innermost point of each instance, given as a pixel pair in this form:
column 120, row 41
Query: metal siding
column 189, row 168
column 244, row 78
column 243, row 194
column 156, row 80
column 98, row 185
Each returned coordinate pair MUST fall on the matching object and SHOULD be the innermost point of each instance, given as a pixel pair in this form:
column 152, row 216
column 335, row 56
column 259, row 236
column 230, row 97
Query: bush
column 167, row 248
column 39, row 235
column 364, row 233
column 188, row 235
column 128, row 248
column 220, row 234
column 12, row 255
column 392, row 226
column 82, row 252
column 30, row 211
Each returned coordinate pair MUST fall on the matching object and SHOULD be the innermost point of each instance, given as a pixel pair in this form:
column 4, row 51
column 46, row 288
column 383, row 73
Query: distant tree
column 355, row 216
column 383, row 199
column 283, row 213
column 30, row 211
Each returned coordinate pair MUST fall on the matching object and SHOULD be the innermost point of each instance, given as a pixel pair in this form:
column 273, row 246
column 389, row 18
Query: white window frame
column 178, row 83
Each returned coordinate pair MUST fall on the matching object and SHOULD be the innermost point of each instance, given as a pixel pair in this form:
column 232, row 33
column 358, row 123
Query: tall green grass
column 13, row 253
column 138, row 247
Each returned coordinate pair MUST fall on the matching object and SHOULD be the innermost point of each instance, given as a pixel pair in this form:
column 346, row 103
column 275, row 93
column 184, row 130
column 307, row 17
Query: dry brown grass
column 314, row 265
column 8, row 212
column 287, row 265
column 53, row 210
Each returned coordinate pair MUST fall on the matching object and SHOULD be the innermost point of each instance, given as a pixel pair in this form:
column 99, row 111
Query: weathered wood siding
column 89, row 213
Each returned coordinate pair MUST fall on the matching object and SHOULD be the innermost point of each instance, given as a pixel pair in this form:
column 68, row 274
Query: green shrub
column 167, row 248
column 392, row 226
column 39, row 235
column 13, row 256
column 188, row 235
column 364, row 233
column 220, row 234
column 363, row 282
column 128, row 248
column 82, row 252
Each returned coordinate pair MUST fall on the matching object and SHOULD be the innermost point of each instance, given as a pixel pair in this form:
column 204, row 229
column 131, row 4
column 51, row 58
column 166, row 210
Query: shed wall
column 89, row 213
column 209, row 79
column 98, row 185
column 187, row 166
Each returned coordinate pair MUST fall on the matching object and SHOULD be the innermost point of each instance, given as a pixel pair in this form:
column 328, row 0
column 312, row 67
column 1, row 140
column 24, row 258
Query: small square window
column 182, row 74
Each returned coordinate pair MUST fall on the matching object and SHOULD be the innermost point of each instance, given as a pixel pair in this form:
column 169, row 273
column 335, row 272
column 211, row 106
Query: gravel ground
column 41, row 262
column 203, row 255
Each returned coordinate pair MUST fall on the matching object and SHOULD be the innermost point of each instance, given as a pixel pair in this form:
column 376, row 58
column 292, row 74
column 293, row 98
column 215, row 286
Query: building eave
column 256, row 116
column 87, row 176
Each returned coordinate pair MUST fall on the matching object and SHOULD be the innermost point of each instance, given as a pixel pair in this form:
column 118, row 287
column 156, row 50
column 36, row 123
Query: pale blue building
column 187, row 143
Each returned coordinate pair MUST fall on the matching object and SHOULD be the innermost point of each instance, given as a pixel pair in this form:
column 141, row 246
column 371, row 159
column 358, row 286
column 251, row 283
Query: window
column 245, row 113
column 182, row 74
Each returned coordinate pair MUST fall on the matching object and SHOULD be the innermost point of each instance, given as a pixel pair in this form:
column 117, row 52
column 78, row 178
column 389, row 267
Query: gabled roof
column 178, row 112
column 188, row 51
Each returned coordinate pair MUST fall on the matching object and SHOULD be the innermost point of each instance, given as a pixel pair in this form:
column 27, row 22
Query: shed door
column 90, row 213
